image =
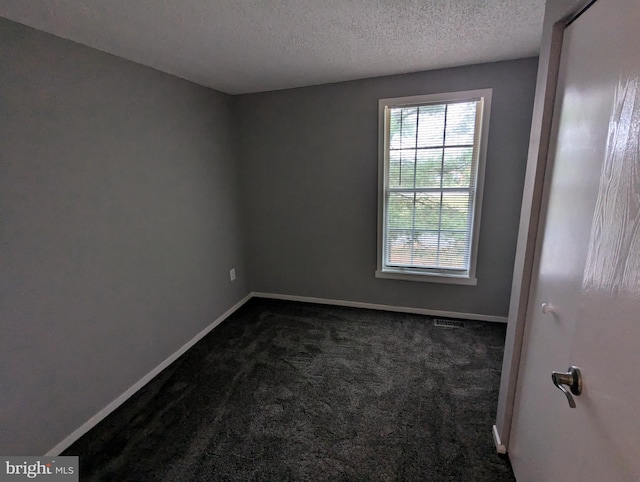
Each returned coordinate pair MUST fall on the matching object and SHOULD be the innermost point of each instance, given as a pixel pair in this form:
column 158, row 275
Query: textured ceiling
column 240, row 46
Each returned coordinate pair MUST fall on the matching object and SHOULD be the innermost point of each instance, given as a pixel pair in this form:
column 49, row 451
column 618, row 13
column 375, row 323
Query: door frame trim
column 556, row 17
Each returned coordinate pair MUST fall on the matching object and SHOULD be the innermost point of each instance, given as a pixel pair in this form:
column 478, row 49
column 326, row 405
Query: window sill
column 427, row 277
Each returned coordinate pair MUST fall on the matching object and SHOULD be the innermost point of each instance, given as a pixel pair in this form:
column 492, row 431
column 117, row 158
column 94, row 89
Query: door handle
column 572, row 379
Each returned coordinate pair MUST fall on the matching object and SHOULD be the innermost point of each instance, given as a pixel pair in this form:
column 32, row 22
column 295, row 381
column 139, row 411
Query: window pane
column 442, row 250
column 454, row 250
column 457, row 166
column 427, row 211
column 425, row 253
column 429, row 168
column 461, row 123
column 431, row 125
column 399, row 247
column 408, row 127
column 402, row 168
column 394, row 169
column 407, row 172
column 400, row 210
column 455, row 211
column 394, row 128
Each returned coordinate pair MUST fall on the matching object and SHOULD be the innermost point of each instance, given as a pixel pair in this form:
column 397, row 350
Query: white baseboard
column 98, row 417
column 501, row 449
column 373, row 306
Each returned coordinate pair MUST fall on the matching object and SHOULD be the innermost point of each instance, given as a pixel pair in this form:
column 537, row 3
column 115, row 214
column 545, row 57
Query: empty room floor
column 296, row 391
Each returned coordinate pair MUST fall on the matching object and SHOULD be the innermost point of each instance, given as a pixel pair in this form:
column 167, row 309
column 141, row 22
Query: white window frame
column 466, row 277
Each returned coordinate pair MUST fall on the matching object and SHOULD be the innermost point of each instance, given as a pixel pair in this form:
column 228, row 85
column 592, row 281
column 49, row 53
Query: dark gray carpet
column 295, row 391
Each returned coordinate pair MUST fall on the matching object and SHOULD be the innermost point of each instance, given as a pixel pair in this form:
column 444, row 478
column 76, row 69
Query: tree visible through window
column 431, row 165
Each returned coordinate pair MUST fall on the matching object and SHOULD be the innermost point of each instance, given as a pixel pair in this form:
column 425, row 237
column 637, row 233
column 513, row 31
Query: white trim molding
column 430, row 278
column 557, row 13
column 374, row 306
column 501, row 449
column 102, row 414
column 419, row 271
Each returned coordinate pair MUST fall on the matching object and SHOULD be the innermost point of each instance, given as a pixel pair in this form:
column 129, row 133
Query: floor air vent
column 448, row 323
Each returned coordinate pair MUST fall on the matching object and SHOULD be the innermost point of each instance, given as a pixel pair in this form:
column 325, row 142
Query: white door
column 587, row 268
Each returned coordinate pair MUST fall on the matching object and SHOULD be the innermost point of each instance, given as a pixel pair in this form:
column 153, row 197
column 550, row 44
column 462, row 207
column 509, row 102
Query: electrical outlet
column 232, row 274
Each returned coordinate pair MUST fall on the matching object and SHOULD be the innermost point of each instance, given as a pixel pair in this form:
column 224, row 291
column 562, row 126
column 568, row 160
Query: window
column 431, row 168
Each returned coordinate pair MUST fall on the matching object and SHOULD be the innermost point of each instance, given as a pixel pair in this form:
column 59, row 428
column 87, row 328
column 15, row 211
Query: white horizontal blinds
column 430, row 185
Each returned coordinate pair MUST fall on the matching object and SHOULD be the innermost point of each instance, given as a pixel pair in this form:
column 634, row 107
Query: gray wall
column 122, row 208
column 119, row 223
column 309, row 173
